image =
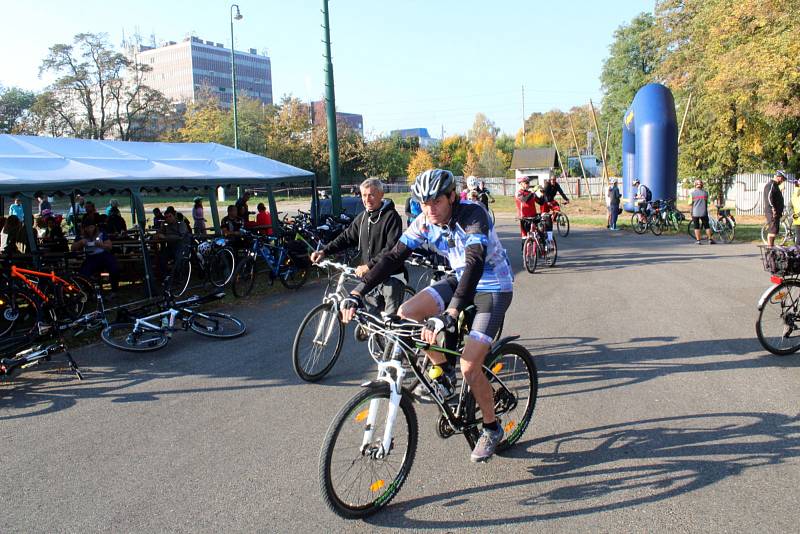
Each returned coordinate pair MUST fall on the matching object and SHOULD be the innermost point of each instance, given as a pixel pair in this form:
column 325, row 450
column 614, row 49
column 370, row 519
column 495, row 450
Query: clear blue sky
column 402, row 64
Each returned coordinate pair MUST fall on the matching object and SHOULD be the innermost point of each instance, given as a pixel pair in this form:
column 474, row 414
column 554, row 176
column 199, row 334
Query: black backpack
column 648, row 195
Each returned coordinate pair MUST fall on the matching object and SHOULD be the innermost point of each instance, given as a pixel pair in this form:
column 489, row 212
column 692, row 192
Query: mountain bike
column 671, row 216
column 286, row 260
column 778, row 323
column 29, row 298
column 320, row 336
column 214, row 262
column 154, row 331
column 723, row 228
column 786, row 231
column 370, row 445
column 537, row 245
column 26, row 358
column 650, row 220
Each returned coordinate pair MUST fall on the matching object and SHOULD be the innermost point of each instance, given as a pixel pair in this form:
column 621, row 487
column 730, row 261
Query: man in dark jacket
column 374, row 231
column 773, row 205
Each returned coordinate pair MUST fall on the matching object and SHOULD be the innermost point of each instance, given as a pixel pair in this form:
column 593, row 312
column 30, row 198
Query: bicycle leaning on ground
column 537, row 245
column 154, row 331
column 370, row 445
column 320, row 336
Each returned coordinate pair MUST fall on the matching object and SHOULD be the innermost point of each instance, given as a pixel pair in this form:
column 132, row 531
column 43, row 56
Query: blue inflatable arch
column 650, row 144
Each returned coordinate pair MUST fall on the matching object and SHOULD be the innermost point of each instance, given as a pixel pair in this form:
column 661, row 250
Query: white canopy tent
column 48, row 165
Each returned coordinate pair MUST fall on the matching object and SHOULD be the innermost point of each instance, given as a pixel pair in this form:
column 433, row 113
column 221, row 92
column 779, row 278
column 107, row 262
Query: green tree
column 15, row 103
column 388, row 157
column 452, row 153
column 633, row 58
column 206, row 122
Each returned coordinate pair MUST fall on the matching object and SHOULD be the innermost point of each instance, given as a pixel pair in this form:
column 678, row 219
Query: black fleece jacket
column 373, row 232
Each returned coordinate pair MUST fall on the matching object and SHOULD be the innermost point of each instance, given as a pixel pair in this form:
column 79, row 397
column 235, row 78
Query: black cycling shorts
column 700, row 223
column 490, row 308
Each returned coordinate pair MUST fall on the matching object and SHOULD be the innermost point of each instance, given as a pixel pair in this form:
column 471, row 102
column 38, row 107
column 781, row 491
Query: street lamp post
column 237, row 16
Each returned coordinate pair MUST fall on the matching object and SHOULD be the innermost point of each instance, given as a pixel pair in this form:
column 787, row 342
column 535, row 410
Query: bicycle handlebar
column 338, row 266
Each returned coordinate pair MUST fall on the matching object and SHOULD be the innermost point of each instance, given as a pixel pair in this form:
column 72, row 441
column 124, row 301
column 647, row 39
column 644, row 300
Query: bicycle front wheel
column 777, row 327
column 515, row 380
column 218, row 325
column 562, row 224
column 181, row 275
column 358, row 476
column 550, row 252
column 530, row 255
column 17, row 315
column 655, row 224
column 220, row 267
column 292, row 277
column 123, row 336
column 317, row 343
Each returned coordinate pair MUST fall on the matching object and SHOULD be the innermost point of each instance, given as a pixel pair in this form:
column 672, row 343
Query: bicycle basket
column 298, row 252
column 781, row 261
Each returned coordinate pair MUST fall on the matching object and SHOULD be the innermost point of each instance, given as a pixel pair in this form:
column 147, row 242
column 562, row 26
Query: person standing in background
column 698, row 200
column 796, row 210
column 614, row 197
column 774, row 205
column 199, row 217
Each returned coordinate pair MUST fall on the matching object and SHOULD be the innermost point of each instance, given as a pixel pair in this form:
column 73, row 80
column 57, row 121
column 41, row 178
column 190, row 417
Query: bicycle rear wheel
column 317, row 343
column 18, row 316
column 181, row 275
column 122, row 336
column 638, row 226
column 530, row 255
column 655, row 225
column 728, row 230
column 220, row 267
column 562, row 224
column 357, row 476
column 218, row 325
column 292, row 277
column 515, row 380
column 777, row 327
column 244, row 277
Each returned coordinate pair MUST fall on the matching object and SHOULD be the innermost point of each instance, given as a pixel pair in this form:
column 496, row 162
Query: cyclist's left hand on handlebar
column 349, row 306
column 442, row 323
column 361, row 270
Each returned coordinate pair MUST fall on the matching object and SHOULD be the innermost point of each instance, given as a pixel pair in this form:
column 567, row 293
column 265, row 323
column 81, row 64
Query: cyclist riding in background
column 526, row 201
column 460, row 230
column 484, row 195
column 553, row 188
column 642, row 196
column 471, row 189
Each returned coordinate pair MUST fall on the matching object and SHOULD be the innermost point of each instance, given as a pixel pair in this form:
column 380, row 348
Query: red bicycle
column 560, row 219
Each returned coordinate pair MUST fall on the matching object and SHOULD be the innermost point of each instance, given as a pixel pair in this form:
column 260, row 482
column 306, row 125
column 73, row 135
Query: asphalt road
column 658, row 411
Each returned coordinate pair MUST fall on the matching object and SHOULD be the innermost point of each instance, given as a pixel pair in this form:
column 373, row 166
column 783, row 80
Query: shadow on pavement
column 618, row 466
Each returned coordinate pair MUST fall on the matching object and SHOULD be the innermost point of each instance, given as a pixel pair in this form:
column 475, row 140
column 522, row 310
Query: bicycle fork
column 393, row 378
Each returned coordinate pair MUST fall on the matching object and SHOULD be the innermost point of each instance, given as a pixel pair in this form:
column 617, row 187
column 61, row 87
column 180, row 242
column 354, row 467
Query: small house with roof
column 538, row 163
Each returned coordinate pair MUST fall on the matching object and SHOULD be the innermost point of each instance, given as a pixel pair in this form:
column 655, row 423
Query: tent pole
column 74, row 213
column 212, row 204
column 314, row 202
column 27, row 206
column 273, row 212
column 136, row 201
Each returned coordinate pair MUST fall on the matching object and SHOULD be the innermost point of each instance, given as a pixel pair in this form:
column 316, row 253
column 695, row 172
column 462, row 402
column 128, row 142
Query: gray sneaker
column 446, row 384
column 486, row 445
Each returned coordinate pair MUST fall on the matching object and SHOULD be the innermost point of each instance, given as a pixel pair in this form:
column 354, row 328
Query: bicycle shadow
column 616, row 466
column 569, row 366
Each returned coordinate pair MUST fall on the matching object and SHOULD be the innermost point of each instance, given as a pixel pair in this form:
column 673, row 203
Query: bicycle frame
column 19, row 273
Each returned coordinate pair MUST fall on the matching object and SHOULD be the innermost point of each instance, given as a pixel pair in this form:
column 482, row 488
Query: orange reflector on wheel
column 360, row 416
column 509, row 426
column 497, row 368
column 779, row 296
column 375, row 486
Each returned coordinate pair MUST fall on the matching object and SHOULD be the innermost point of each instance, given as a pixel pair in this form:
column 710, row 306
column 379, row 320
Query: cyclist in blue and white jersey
column 461, row 231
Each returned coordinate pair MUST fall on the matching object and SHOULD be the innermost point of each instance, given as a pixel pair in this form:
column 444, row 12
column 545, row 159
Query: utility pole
column 523, row 115
column 330, row 106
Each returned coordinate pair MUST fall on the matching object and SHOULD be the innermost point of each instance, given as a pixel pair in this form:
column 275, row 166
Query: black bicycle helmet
column 432, row 183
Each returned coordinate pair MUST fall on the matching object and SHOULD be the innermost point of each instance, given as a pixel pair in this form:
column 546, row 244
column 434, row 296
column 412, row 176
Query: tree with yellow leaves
column 420, row 162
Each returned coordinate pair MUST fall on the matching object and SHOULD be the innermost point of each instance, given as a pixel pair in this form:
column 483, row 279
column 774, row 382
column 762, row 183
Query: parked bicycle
column 212, row 261
column 154, row 331
column 786, row 231
column 537, row 246
column 284, row 259
column 649, row 220
column 30, row 357
column 370, row 446
column 723, row 227
column 320, row 336
column 671, row 217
